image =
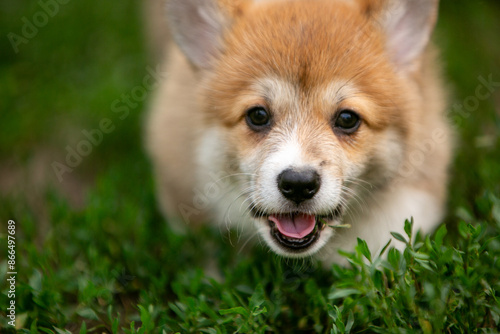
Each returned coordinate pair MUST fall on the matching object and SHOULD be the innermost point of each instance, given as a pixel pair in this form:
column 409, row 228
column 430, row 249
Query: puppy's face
column 308, row 102
column 314, row 101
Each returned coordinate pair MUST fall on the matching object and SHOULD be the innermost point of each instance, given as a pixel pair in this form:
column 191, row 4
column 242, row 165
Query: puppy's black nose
column 299, row 186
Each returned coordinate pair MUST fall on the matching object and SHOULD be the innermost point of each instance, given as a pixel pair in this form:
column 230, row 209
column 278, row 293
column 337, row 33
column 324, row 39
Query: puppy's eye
column 347, row 121
column 258, row 118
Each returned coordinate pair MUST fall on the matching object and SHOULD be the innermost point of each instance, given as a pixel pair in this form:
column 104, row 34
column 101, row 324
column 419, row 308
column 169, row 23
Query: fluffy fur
column 304, row 62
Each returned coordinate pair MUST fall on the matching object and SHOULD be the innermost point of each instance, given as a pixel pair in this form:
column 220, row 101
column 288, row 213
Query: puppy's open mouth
column 296, row 231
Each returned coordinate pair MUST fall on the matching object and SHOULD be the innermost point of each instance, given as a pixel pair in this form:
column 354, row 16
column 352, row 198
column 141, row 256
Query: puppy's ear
column 197, row 26
column 408, row 25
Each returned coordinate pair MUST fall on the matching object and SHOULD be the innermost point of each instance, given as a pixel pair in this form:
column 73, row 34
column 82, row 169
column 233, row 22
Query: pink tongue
column 294, row 226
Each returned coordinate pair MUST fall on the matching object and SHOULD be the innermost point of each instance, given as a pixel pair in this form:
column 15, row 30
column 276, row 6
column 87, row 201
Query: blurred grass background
column 79, row 237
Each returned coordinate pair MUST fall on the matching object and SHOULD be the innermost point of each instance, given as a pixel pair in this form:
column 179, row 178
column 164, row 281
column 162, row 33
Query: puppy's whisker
column 354, row 196
column 227, row 214
column 247, row 189
column 234, row 176
column 247, row 241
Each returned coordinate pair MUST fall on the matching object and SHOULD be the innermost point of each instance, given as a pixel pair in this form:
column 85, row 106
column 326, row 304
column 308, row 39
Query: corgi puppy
column 291, row 117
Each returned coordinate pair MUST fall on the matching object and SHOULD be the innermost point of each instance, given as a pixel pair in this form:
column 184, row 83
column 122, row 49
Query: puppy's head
column 313, row 98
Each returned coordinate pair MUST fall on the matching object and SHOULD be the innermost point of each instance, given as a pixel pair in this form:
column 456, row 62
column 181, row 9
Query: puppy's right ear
column 197, row 26
column 408, row 25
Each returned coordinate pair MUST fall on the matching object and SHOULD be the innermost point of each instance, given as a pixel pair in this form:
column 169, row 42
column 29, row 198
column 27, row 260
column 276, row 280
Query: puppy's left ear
column 198, row 27
column 408, row 25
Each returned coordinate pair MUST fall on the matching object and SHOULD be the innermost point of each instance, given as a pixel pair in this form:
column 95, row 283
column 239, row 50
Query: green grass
column 109, row 263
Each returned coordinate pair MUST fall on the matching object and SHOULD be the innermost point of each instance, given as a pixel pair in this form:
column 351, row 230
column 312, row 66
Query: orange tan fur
column 303, row 62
